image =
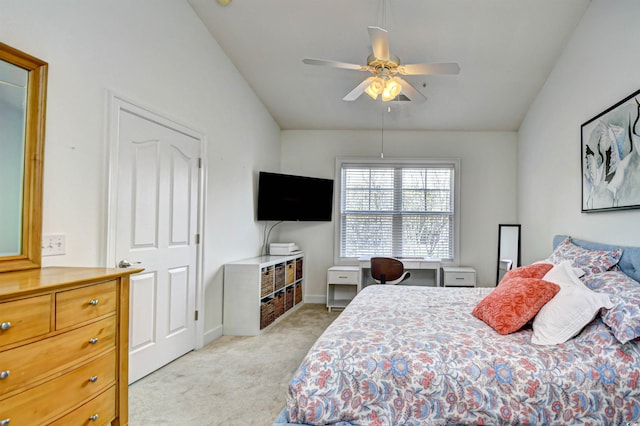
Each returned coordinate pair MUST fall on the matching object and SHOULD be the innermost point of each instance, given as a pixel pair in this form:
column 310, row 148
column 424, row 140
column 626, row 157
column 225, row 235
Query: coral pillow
column 514, row 302
column 537, row 270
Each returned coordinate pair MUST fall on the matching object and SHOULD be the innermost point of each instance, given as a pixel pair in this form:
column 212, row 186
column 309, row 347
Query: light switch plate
column 54, row 244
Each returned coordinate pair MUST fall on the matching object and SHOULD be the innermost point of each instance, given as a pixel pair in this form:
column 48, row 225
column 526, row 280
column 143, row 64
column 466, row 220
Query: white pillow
column 578, row 271
column 573, row 307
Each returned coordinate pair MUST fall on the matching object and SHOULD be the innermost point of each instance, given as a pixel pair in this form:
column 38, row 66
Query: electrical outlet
column 54, row 244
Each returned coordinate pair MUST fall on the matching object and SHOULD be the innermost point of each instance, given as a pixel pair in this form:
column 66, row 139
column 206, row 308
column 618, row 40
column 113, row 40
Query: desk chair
column 387, row 270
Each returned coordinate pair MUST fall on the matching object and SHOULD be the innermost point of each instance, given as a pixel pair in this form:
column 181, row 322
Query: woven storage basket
column 266, row 281
column 279, row 273
column 278, row 304
column 267, row 315
column 290, row 274
column 298, row 268
column 298, row 293
column 288, row 302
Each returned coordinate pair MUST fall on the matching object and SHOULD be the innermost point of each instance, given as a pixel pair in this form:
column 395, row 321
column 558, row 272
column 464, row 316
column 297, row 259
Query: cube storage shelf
column 260, row 291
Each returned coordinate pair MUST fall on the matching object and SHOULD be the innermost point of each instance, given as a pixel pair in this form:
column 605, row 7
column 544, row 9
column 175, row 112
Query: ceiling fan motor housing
column 382, row 67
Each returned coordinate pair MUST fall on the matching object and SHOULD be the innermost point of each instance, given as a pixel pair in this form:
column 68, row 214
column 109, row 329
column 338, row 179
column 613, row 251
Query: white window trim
column 337, row 193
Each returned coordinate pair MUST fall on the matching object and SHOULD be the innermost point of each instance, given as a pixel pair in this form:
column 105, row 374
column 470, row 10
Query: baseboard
column 315, row 298
column 211, row 335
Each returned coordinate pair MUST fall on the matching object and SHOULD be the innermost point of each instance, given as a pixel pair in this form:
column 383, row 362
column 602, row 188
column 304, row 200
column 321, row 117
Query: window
column 397, row 208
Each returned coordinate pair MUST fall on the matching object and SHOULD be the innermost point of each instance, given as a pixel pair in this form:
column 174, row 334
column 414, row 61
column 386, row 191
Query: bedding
column 400, row 355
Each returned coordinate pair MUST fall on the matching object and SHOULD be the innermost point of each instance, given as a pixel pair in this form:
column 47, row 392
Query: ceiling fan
column 386, row 69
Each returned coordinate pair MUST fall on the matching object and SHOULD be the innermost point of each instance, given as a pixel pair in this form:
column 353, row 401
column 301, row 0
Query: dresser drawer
column 34, row 361
column 460, row 278
column 99, row 411
column 24, row 318
column 84, row 304
column 342, row 276
column 49, row 400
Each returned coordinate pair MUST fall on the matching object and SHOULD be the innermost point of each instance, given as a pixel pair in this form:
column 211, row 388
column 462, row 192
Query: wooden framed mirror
column 23, row 88
column 508, row 249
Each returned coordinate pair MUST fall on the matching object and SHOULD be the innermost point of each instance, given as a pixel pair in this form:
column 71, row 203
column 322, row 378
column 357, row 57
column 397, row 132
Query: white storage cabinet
column 459, row 276
column 260, row 291
column 342, row 286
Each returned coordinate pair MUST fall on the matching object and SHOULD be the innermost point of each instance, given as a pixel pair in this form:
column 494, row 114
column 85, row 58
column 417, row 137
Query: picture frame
column 610, row 158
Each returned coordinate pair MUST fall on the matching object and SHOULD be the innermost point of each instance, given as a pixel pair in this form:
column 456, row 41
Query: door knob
column 124, row 263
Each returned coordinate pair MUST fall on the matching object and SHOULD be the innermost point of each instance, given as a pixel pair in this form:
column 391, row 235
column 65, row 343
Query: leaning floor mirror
column 508, row 249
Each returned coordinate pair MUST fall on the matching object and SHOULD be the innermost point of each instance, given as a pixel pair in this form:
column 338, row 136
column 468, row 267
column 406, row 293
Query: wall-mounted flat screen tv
column 294, row 198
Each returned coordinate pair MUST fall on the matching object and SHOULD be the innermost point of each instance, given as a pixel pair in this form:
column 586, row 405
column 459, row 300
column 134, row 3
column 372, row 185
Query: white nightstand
column 459, row 276
column 342, row 286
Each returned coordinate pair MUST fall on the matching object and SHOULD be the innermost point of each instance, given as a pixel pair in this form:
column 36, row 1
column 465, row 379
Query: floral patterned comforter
column 401, row 355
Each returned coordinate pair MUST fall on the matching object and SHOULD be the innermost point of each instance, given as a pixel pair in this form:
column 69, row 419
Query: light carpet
column 233, row 380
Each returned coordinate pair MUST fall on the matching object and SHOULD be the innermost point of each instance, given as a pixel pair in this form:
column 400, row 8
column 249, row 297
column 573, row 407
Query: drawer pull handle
column 5, row 422
column 93, row 379
column 93, row 302
column 5, row 326
column 459, row 278
column 93, row 340
column 4, row 374
column 343, row 277
column 94, row 417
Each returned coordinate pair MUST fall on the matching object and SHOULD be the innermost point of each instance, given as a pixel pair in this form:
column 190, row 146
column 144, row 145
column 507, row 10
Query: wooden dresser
column 63, row 346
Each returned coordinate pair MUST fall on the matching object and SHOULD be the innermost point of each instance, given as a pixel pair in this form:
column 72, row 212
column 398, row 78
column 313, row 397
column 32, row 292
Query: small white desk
column 416, row 263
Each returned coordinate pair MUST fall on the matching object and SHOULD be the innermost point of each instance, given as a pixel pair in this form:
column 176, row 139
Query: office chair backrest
column 385, row 269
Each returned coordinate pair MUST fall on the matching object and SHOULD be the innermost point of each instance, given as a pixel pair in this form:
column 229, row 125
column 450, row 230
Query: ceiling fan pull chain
column 382, row 135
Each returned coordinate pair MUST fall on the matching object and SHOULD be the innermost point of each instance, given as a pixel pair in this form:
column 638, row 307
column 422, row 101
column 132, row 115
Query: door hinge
column 196, row 317
column 197, row 238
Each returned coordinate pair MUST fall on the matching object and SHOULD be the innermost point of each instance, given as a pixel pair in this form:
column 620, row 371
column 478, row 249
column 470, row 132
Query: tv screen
column 294, row 198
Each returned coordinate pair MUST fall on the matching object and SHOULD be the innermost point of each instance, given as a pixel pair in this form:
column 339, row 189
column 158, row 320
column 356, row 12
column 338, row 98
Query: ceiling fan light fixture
column 375, row 88
column 370, row 92
column 391, row 90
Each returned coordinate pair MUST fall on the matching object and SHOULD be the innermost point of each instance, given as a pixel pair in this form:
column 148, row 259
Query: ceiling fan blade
column 426, row 69
column 411, row 91
column 359, row 90
column 379, row 42
column 334, row 64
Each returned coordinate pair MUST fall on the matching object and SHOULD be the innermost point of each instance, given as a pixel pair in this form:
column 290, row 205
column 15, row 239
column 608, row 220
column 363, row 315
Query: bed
column 416, row 355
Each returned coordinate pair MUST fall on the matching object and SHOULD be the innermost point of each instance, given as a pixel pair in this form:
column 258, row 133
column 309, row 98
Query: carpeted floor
column 233, row 380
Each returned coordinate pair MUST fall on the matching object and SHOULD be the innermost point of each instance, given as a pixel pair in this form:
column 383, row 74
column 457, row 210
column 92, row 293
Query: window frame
column 405, row 162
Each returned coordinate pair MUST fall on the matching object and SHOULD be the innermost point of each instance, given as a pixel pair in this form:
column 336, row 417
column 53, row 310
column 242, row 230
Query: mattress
column 416, row 355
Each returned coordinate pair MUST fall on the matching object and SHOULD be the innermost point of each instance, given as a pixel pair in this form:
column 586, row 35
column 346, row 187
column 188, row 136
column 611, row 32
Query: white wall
column 598, row 68
column 488, row 183
column 157, row 53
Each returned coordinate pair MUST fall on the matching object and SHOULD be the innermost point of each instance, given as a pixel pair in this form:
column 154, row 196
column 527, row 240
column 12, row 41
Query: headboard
column 629, row 262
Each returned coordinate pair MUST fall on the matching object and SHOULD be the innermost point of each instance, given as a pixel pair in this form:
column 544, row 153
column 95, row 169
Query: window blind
column 399, row 210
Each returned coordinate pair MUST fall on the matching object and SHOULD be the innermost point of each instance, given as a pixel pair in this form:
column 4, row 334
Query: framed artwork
column 610, row 157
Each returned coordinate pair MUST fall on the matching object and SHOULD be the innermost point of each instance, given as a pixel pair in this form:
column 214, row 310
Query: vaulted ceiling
column 505, row 49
